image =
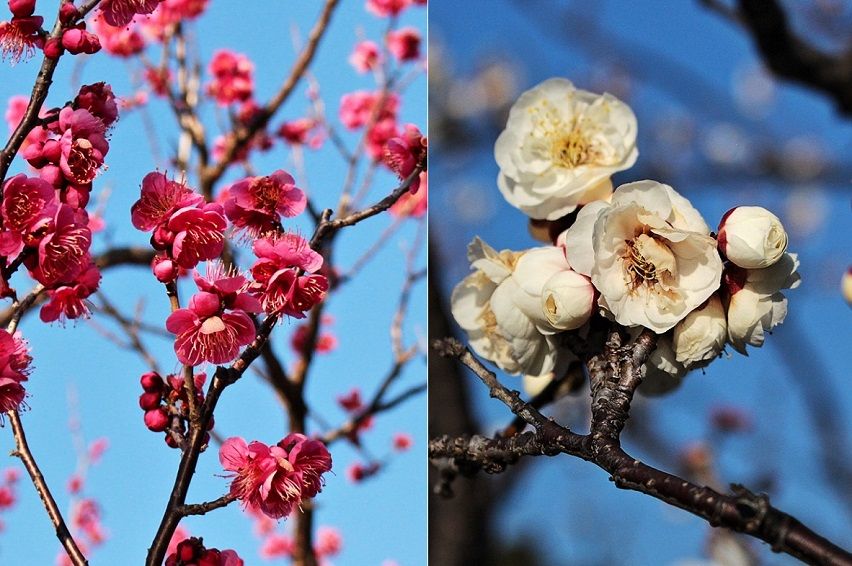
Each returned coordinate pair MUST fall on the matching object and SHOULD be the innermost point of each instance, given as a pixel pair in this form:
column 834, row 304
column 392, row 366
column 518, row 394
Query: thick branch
column 615, row 375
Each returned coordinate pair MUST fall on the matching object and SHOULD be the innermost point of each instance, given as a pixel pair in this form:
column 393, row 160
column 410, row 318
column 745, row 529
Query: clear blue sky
column 684, row 61
column 134, row 479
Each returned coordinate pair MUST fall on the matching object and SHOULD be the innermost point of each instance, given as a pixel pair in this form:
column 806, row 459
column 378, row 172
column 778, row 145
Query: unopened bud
column 752, row 237
column 567, row 300
column 156, row 420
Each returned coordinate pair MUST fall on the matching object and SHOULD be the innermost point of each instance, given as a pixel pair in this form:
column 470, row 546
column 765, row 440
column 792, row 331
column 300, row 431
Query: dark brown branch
column 207, row 506
column 22, row 451
column 615, row 375
column 792, row 58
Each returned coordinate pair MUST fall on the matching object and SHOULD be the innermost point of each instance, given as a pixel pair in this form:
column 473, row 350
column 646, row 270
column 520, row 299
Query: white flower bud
column 701, row 336
column 752, row 237
column 567, row 300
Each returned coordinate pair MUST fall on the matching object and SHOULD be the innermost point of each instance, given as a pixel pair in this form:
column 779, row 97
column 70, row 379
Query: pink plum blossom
column 404, row 43
column 366, row 56
column 257, row 203
column 278, row 273
column 232, row 77
column 119, row 13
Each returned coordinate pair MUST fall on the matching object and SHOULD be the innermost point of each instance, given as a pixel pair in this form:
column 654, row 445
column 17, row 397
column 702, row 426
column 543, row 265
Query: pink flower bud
column 151, row 382
column 149, row 401
column 156, row 420
column 22, row 8
column 68, row 13
column 165, row 270
column 77, row 40
column 53, row 48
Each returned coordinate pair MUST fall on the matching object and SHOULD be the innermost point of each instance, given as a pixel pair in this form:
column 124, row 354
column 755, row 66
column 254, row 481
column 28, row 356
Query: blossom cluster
column 640, row 255
column 275, row 479
column 187, row 230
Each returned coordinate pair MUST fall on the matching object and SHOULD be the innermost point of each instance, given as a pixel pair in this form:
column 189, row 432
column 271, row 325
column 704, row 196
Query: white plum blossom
column 752, row 237
column 499, row 306
column 560, row 147
column 649, row 253
column 756, row 303
column 701, row 336
column 567, row 300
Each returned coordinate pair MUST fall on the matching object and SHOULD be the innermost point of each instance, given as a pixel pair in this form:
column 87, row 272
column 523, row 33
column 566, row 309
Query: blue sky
column 683, row 62
column 133, row 481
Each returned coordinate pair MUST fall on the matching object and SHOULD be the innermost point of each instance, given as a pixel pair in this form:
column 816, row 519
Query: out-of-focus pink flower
column 275, row 478
column 257, row 203
column 386, row 8
column 301, row 131
column 232, row 77
column 413, row 205
column 7, row 497
column 282, row 289
column 160, row 199
column 277, row 546
column 75, row 484
column 15, row 110
column 358, row 472
column 403, row 154
column 206, row 333
column 68, row 301
column 356, row 108
column 158, row 80
column 97, row 449
column 119, row 13
column 123, row 41
column 379, row 135
column 11, row 475
column 402, row 441
column 351, row 402
column 326, row 342
column 404, row 43
column 19, row 37
column 730, row 419
column 366, row 56
column 329, row 542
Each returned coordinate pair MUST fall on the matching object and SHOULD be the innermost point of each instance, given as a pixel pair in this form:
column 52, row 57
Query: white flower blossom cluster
column 640, row 255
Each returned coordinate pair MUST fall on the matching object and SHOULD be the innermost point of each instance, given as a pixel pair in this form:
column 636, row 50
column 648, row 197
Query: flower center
column 267, row 193
column 647, row 260
column 571, row 149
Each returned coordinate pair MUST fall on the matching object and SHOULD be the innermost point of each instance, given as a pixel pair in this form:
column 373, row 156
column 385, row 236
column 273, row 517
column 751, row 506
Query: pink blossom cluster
column 166, row 406
column 303, row 131
column 14, row 369
column 186, row 230
column 376, row 109
column 215, row 324
column 285, row 275
column 192, row 552
column 232, row 77
column 275, row 479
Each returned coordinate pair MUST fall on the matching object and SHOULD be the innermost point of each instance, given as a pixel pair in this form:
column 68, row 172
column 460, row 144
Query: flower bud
column 567, row 300
column 149, row 401
column 156, row 420
column 701, row 336
column 22, row 8
column 68, row 13
column 752, row 237
column 53, row 48
column 846, row 286
column 77, row 41
column 151, row 382
column 164, row 269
